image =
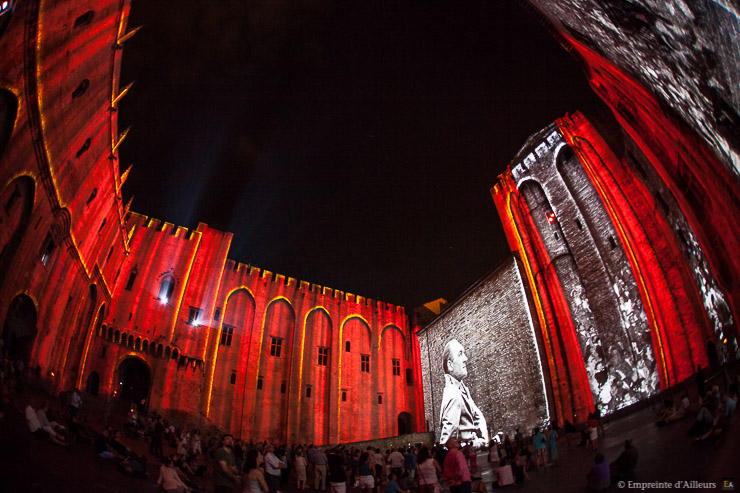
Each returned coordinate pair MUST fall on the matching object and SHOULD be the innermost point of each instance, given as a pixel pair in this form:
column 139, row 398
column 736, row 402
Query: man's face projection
column 457, row 364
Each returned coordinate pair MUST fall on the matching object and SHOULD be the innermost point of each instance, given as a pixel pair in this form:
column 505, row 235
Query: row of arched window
column 153, row 349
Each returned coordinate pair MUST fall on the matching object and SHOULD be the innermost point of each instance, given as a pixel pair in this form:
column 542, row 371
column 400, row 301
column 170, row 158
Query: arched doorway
column 134, row 380
column 93, row 383
column 712, row 355
column 404, row 423
column 19, row 330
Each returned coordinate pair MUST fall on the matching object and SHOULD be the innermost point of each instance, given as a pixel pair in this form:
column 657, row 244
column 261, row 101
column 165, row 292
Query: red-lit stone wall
column 669, row 72
column 614, row 280
column 270, row 398
column 65, row 219
column 89, row 285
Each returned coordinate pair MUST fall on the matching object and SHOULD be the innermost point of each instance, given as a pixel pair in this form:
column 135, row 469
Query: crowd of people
column 266, row 467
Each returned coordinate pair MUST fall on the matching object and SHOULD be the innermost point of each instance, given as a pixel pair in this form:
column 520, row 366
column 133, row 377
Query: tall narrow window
column 259, row 383
column 283, row 387
column 217, row 314
column 346, row 346
column 227, row 332
column 365, row 363
column 194, row 315
column 49, row 247
column 232, row 380
column 166, row 288
column 409, row 377
column 308, row 391
column 323, row 356
column 344, row 395
column 276, row 346
column 380, row 398
column 396, row 367
column 131, row 278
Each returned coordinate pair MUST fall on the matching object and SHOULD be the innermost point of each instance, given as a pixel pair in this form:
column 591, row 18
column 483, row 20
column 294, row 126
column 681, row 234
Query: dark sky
column 348, row 144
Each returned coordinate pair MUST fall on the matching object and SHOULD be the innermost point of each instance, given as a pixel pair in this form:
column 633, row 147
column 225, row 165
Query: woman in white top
column 428, row 471
column 255, row 482
column 300, row 469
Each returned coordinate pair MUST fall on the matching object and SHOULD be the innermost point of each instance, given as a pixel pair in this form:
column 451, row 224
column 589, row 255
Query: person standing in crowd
column 553, row 443
column 396, row 460
column 300, row 469
column 320, row 467
column 337, row 474
column 75, row 403
column 540, row 445
column 428, row 470
column 409, row 462
column 365, row 479
column 272, row 468
column 225, row 474
column 456, row 472
column 255, row 479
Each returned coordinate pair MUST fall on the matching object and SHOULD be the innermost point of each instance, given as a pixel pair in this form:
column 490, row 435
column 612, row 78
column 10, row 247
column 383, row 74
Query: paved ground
column 666, row 454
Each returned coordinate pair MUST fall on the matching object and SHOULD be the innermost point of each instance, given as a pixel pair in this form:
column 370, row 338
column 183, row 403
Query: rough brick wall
column 493, row 323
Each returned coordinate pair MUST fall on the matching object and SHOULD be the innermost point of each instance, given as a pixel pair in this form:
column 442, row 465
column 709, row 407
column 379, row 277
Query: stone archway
column 93, row 383
column 712, row 356
column 404, row 423
column 134, row 381
column 19, row 329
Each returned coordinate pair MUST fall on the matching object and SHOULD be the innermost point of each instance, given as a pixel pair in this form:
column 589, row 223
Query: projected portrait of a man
column 460, row 417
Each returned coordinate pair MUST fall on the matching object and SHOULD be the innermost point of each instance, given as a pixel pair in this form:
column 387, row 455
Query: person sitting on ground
column 705, row 419
column 131, row 465
column 54, row 429
column 34, row 426
column 519, row 466
column 406, row 482
column 623, row 468
column 599, row 477
column 679, row 412
column 729, row 403
column 102, row 447
column 667, row 410
column 504, row 473
column 392, row 486
column 476, row 480
column 169, row 479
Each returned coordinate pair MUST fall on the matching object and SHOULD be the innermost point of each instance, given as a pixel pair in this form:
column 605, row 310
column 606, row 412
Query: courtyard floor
column 665, row 455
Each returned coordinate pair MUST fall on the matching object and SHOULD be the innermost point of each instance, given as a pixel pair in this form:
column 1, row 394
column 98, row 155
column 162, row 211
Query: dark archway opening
column 93, row 383
column 134, row 380
column 404, row 423
column 19, row 330
column 712, row 355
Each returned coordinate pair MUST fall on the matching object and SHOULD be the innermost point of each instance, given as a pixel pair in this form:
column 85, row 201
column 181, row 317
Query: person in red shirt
column 456, row 473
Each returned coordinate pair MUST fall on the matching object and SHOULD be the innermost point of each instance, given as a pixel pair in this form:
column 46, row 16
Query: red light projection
column 672, row 303
column 706, row 191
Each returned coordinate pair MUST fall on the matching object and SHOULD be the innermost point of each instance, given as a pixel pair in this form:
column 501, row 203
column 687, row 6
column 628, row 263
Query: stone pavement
column 665, row 454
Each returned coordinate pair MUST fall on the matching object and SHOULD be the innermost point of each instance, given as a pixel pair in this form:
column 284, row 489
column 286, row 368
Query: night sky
column 347, row 144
